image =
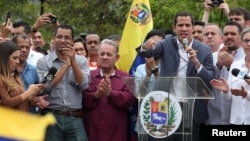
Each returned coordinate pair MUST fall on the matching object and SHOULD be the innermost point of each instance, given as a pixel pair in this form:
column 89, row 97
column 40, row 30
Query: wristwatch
column 155, row 70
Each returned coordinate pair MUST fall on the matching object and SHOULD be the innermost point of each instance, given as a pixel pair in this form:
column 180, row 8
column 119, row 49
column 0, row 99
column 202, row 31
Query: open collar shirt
column 67, row 94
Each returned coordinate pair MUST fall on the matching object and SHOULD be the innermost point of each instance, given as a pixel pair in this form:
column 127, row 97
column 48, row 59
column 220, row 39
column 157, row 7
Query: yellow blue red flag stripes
column 20, row 126
column 139, row 23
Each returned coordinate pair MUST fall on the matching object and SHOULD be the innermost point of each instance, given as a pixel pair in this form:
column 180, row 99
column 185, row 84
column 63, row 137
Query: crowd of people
column 87, row 95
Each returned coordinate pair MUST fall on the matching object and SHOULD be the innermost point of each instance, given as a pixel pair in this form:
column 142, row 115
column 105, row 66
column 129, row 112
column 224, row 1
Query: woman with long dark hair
column 12, row 93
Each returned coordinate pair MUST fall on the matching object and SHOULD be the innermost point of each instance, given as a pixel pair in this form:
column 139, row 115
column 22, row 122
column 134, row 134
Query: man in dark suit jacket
column 191, row 60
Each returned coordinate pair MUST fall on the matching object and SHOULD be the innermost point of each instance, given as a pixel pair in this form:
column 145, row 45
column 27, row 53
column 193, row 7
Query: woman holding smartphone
column 12, row 93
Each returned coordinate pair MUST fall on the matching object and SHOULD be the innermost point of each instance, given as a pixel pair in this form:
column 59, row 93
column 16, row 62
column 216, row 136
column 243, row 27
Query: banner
column 21, row 126
column 139, row 23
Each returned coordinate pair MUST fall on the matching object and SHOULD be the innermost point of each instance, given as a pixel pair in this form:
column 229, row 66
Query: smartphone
column 52, row 19
column 8, row 16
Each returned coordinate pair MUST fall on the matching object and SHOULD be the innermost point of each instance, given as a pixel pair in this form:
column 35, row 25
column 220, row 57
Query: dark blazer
column 170, row 59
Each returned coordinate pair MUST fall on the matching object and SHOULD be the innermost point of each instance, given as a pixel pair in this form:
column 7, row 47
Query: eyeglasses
column 79, row 49
column 246, row 41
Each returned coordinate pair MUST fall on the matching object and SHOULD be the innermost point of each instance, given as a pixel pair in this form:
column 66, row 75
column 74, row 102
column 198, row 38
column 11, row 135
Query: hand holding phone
column 53, row 19
column 8, row 16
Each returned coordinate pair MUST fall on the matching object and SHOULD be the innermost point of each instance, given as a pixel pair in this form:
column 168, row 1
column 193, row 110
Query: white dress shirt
column 34, row 57
column 219, row 109
column 179, row 85
column 240, row 106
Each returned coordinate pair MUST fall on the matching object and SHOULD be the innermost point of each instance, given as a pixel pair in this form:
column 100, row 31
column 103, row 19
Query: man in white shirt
column 229, row 53
column 34, row 57
column 237, row 88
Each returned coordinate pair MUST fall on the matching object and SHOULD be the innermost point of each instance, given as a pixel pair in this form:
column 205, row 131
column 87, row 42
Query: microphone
column 185, row 44
column 240, row 74
column 49, row 76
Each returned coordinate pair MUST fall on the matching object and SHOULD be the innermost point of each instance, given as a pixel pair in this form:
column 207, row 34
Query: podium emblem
column 160, row 114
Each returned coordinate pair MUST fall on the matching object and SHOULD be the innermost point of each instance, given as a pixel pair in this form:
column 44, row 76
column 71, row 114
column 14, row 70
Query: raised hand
column 69, row 52
column 6, row 29
column 224, row 7
column 239, row 92
column 150, row 65
column 221, row 85
column 150, row 43
column 103, row 88
column 225, row 58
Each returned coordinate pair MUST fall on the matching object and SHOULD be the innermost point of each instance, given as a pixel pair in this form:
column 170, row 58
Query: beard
column 232, row 48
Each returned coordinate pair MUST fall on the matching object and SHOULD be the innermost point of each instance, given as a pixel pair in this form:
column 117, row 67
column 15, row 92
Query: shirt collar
column 101, row 73
column 98, row 73
column 54, row 56
column 180, row 45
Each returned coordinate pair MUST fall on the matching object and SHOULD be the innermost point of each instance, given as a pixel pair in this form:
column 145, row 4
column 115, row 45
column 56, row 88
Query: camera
column 52, row 19
column 216, row 3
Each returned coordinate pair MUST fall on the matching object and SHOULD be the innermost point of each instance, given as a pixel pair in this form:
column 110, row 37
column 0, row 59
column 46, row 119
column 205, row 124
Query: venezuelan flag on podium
column 139, row 23
column 20, row 126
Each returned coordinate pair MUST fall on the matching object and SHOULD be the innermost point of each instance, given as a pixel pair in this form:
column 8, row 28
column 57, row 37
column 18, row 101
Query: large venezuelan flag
column 20, row 126
column 138, row 24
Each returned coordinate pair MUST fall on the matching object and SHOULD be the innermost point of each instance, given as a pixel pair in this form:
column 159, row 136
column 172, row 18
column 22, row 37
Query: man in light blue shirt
column 65, row 96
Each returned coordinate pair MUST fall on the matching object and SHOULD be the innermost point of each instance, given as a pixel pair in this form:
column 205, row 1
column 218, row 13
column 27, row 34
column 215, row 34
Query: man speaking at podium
column 183, row 56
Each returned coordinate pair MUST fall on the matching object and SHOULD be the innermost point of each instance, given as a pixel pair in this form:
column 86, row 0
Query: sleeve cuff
column 199, row 69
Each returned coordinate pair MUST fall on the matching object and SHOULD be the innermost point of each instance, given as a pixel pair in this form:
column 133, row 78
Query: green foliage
column 172, row 114
column 146, row 112
column 107, row 16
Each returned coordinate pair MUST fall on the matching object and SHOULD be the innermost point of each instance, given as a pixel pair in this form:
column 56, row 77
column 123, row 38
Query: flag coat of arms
column 139, row 23
column 159, row 112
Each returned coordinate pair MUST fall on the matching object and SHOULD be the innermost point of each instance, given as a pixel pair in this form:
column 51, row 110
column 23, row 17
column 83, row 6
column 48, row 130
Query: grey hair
column 245, row 31
column 111, row 42
column 210, row 24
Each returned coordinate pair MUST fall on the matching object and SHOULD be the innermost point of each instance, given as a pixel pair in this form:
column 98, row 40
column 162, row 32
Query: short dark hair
column 183, row 14
column 240, row 11
column 159, row 32
column 94, row 33
column 78, row 39
column 83, row 35
column 65, row 26
column 232, row 23
column 24, row 25
column 17, row 36
column 201, row 23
